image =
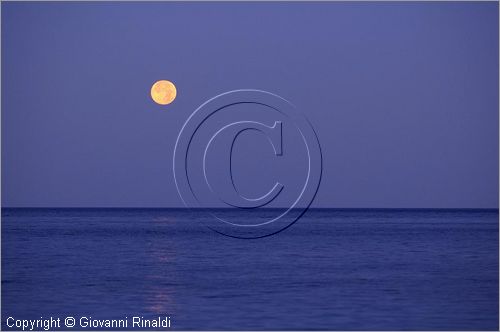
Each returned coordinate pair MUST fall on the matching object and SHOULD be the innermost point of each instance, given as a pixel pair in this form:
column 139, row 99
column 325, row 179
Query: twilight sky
column 403, row 97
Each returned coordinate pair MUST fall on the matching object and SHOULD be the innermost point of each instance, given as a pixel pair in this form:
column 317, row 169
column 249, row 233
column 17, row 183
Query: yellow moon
column 163, row 92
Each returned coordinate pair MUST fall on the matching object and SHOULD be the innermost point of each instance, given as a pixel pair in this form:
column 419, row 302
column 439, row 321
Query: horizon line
column 232, row 208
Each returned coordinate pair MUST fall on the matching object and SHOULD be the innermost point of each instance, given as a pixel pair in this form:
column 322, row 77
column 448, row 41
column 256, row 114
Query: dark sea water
column 333, row 269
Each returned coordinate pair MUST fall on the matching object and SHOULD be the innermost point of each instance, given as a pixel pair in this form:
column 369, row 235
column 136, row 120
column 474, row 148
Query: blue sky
column 403, row 96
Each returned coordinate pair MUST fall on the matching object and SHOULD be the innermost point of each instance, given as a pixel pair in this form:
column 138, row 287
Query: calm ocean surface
column 333, row 269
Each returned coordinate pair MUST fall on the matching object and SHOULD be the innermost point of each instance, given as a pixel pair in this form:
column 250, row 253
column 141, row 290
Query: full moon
column 163, row 92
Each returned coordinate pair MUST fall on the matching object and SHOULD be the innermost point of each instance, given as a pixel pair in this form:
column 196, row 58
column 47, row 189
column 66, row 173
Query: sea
column 334, row 269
